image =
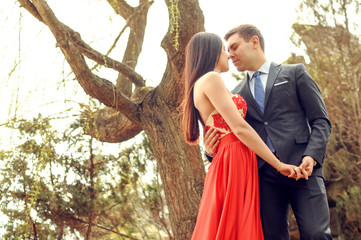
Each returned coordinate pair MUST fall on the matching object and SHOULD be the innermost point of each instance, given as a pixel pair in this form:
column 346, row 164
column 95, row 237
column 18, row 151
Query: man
column 286, row 109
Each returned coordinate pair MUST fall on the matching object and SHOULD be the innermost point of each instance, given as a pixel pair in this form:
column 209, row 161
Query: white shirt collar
column 264, row 69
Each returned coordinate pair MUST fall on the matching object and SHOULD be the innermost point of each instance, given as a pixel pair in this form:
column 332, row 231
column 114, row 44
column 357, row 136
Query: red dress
column 229, row 208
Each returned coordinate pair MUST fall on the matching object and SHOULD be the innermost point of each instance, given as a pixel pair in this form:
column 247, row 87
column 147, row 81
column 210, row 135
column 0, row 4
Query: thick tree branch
column 95, row 86
column 136, row 18
column 121, row 7
column 171, row 87
column 31, row 8
column 109, row 125
column 85, row 48
column 114, row 43
column 105, row 60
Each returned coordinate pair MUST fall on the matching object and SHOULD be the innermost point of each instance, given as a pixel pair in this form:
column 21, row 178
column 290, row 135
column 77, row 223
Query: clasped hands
column 304, row 170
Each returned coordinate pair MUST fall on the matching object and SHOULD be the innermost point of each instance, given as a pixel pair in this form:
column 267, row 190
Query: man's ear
column 255, row 41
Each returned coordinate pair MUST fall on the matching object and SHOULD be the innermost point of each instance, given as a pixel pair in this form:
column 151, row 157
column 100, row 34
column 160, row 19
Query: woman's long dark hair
column 202, row 54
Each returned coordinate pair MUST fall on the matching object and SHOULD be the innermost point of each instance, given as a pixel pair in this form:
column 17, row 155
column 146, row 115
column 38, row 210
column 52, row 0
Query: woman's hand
column 289, row 171
column 211, row 141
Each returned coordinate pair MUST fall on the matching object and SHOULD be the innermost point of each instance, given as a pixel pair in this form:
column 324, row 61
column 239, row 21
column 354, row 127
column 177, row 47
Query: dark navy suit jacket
column 295, row 116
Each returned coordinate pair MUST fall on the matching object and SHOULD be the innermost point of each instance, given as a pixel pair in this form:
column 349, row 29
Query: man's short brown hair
column 246, row 31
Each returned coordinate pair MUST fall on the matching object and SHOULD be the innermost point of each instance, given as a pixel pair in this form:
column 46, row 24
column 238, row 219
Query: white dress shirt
column 264, row 69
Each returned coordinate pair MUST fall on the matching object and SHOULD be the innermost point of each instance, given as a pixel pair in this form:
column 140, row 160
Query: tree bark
column 179, row 164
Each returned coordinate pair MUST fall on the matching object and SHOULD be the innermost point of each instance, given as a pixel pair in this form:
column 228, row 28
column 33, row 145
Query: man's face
column 240, row 52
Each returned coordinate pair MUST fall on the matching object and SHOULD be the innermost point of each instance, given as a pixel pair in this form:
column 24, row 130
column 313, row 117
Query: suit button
column 265, row 123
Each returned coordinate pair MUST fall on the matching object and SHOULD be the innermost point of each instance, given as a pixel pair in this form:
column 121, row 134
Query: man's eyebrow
column 230, row 47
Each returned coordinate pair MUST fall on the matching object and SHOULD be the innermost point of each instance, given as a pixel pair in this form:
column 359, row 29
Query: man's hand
column 307, row 166
column 211, row 141
column 305, row 169
column 299, row 173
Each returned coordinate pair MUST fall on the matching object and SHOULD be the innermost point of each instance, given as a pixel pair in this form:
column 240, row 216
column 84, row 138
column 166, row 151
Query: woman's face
column 222, row 64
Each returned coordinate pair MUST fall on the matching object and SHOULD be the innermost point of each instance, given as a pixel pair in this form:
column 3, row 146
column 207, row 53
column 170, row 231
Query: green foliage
column 239, row 76
column 174, row 22
column 61, row 185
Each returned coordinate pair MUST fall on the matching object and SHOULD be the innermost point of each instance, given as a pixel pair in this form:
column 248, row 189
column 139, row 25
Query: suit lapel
column 244, row 90
column 272, row 75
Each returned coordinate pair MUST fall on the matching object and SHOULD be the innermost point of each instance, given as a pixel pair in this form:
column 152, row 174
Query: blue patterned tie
column 259, row 97
column 259, row 90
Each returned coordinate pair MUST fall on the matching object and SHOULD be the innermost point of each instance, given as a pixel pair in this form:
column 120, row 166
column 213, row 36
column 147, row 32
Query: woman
column 229, row 207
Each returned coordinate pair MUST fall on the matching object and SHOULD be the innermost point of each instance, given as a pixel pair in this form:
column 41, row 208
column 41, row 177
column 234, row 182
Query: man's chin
column 240, row 69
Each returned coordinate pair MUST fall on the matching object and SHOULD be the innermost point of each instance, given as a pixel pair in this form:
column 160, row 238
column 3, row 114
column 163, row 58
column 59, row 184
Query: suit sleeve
column 320, row 126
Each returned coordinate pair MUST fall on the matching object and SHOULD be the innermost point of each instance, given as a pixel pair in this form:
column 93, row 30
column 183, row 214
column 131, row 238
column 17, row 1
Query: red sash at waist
column 229, row 138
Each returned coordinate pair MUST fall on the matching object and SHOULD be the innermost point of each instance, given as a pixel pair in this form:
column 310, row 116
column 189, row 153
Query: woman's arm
column 217, row 93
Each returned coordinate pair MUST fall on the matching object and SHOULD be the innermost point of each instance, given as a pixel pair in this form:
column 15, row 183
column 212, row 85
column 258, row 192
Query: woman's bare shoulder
column 209, row 82
column 211, row 77
column 212, row 74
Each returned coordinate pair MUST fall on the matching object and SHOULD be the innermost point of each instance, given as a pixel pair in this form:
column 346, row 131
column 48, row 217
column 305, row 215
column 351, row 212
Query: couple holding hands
column 266, row 140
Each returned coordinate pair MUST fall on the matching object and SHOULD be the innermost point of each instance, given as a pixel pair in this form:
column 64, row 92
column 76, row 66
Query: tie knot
column 257, row 74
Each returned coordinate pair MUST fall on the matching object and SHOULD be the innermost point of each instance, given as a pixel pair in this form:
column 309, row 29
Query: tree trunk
column 179, row 164
column 154, row 110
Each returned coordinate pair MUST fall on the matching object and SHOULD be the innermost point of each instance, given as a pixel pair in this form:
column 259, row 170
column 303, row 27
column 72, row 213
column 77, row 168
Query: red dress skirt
column 230, row 207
